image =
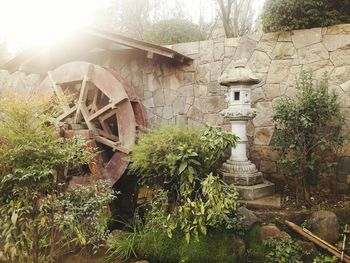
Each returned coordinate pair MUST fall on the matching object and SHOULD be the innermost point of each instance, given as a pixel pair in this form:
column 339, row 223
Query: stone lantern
column 238, row 169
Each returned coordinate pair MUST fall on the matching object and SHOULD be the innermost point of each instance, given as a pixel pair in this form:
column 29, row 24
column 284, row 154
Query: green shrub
column 283, row 15
column 255, row 247
column 38, row 218
column 156, row 246
column 182, row 163
column 308, row 128
column 283, row 250
column 173, row 31
column 326, row 259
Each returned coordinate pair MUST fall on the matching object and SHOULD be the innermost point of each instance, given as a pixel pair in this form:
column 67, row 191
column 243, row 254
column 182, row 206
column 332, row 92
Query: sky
column 27, row 23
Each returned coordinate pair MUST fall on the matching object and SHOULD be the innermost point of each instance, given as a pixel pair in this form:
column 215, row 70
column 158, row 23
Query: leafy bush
column 283, row 250
column 283, row 15
column 182, row 163
column 306, row 129
column 156, row 246
column 173, row 31
column 326, row 259
column 36, row 215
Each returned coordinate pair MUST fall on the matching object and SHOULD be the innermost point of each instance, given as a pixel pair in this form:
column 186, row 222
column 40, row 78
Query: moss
column 255, row 245
column 217, row 246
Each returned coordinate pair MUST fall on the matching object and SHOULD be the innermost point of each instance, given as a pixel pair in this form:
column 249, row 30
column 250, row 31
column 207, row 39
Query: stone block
column 257, row 95
column 340, row 75
column 213, row 87
column 200, row 91
column 333, row 42
column 179, row 105
column 215, row 104
column 195, row 114
column 272, row 91
column 185, row 78
column 306, row 37
column 232, row 42
column 267, row 43
column 259, row 62
column 265, row 114
column 272, row 231
column 339, row 29
column 187, row 48
column 264, row 153
column 148, row 103
column 283, row 50
column 279, row 70
column 203, row 74
column 187, row 91
column 263, row 136
column 268, row 166
column 174, row 83
column 158, row 97
column 219, row 51
column 229, row 51
column 181, row 120
column 340, row 57
column 215, row 70
column 168, row 112
column 169, row 96
column 285, row 36
column 205, row 51
column 213, row 119
column 245, row 49
column 312, row 53
column 256, row 191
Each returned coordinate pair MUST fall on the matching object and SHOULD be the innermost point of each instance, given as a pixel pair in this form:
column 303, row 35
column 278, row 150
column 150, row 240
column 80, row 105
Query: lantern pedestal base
column 253, row 192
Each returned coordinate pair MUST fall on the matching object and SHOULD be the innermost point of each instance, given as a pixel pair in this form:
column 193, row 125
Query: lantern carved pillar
column 238, row 169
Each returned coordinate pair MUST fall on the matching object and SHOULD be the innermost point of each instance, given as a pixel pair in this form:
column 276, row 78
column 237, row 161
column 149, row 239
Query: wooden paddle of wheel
column 99, row 105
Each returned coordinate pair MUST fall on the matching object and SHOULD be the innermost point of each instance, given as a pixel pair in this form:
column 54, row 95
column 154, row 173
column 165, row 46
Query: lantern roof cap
column 238, row 73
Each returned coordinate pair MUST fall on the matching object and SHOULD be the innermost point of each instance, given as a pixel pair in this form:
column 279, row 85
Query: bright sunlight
column 39, row 22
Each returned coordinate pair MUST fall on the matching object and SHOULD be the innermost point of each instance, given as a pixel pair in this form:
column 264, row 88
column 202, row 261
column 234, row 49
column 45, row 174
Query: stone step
column 253, row 192
column 269, row 202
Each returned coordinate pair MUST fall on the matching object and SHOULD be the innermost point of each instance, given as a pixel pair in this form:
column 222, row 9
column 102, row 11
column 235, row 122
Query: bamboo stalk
column 318, row 241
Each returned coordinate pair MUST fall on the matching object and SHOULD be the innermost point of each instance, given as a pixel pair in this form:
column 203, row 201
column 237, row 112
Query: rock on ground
column 272, row 231
column 248, row 217
column 325, row 225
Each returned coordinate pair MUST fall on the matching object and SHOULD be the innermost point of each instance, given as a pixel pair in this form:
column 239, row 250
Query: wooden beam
column 107, row 142
column 105, row 117
column 59, row 92
column 108, row 135
column 83, row 94
column 85, row 113
column 103, row 110
column 318, row 241
column 66, row 114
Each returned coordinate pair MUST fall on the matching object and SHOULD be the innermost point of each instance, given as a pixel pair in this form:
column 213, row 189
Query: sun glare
column 26, row 23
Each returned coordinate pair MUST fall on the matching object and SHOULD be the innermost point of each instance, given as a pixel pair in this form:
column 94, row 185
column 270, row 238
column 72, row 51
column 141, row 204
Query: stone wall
column 190, row 95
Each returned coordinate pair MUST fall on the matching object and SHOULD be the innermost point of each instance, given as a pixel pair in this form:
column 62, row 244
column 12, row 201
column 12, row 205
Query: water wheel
column 101, row 106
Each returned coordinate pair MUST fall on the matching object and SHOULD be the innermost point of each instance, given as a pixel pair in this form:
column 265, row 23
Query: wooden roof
column 40, row 61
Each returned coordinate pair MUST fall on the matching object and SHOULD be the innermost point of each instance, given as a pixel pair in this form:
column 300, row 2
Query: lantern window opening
column 237, row 95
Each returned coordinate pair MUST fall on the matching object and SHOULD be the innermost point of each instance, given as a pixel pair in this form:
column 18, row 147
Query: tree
column 238, row 16
column 283, row 15
column 173, row 31
column 308, row 128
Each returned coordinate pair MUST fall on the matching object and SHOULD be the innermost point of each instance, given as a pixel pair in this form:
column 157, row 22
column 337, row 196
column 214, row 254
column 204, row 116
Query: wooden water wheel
column 101, row 106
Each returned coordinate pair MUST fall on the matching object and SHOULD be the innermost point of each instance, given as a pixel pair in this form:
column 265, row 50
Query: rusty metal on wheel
column 103, row 108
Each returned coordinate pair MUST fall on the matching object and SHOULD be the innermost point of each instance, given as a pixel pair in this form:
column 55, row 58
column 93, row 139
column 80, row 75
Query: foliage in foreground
column 173, row 31
column 182, row 164
column 156, row 246
column 307, row 129
column 283, row 250
column 40, row 219
column 284, row 15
